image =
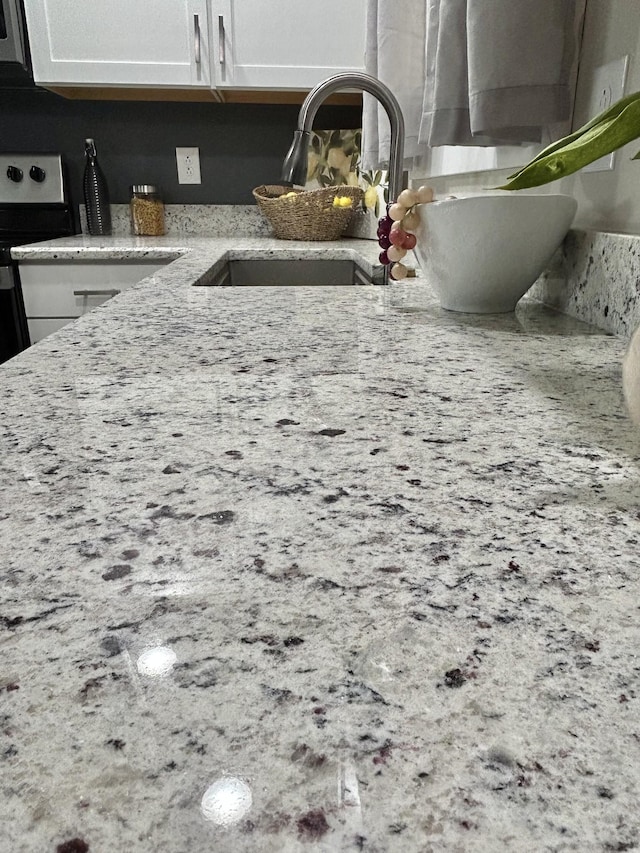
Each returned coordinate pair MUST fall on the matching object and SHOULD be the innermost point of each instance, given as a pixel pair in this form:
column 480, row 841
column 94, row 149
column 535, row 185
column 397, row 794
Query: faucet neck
column 373, row 86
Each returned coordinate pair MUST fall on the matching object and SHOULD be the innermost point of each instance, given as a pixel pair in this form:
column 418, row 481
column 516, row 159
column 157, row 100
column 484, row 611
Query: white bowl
column 482, row 253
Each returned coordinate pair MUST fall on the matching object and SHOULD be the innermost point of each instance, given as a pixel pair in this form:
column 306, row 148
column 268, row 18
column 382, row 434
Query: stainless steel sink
column 270, row 272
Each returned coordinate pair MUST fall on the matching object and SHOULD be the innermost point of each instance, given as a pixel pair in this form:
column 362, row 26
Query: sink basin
column 481, row 254
column 269, row 272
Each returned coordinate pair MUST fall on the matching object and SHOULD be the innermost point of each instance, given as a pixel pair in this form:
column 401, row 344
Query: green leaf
column 611, row 112
column 573, row 153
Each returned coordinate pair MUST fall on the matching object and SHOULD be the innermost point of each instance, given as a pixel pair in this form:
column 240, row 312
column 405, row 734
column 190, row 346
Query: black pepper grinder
column 96, row 193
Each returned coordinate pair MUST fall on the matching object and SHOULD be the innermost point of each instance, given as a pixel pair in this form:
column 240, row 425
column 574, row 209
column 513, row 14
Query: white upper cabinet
column 163, row 43
column 284, row 44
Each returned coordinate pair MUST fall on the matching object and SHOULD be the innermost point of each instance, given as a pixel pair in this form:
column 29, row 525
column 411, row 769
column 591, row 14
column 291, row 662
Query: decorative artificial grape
column 409, row 241
column 399, row 271
column 425, row 195
column 398, row 236
column 384, row 258
column 408, row 198
column 411, row 221
column 396, row 253
column 384, row 225
column 397, row 212
column 384, row 242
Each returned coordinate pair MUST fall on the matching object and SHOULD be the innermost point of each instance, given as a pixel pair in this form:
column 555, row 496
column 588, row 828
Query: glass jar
column 147, row 211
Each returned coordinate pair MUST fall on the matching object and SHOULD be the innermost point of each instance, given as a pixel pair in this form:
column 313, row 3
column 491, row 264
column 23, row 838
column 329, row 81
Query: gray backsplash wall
column 241, row 145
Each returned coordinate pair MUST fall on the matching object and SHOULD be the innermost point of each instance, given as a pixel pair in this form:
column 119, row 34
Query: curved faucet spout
column 295, row 164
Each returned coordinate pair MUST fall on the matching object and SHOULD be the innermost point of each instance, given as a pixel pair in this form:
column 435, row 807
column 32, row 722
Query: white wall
column 607, row 201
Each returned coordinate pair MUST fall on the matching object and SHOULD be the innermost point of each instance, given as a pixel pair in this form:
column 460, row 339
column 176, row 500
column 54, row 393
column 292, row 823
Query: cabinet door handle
column 196, row 39
column 221, row 49
column 86, row 293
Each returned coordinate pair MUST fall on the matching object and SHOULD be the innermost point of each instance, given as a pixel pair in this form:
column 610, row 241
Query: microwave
column 14, row 52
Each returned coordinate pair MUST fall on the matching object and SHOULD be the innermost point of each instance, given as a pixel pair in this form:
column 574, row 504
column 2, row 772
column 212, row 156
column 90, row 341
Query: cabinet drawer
column 71, row 290
column 39, row 329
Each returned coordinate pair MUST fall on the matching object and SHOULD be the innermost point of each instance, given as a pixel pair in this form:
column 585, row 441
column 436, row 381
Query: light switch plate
column 607, row 87
column 188, row 161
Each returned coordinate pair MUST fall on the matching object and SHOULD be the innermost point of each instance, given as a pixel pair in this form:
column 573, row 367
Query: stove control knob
column 37, row 174
column 14, row 174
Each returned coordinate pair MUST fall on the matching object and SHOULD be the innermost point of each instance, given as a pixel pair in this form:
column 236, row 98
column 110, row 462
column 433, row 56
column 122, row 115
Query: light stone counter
column 368, row 568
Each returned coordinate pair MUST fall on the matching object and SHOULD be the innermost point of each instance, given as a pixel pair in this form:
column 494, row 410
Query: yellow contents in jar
column 147, row 216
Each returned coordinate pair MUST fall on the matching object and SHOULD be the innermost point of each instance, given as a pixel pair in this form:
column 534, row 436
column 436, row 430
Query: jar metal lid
column 144, row 188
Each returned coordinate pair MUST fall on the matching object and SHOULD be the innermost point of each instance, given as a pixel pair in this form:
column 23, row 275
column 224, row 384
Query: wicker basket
column 307, row 215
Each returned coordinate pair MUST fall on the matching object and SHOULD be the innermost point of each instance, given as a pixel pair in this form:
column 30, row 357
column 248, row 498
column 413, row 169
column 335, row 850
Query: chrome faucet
column 294, row 170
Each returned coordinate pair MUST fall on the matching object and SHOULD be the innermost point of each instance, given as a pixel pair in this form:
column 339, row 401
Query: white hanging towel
column 395, row 47
column 471, row 72
column 499, row 71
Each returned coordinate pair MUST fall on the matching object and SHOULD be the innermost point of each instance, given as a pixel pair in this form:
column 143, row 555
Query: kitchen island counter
column 292, row 569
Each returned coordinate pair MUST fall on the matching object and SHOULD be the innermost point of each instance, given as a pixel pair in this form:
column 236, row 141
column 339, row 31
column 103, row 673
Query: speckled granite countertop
column 318, row 569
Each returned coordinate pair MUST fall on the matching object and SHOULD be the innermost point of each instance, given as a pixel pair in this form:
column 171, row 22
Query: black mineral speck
column 332, row 433
column 110, row 645
column 287, row 422
column 115, row 572
column 454, row 678
column 605, row 793
column 312, row 825
column 130, row 554
column 74, row 845
column 116, row 743
column 293, row 641
column 171, row 469
column 223, row 516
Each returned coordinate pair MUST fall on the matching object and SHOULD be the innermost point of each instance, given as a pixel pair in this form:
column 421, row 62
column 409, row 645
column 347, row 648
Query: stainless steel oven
column 14, row 51
column 33, row 207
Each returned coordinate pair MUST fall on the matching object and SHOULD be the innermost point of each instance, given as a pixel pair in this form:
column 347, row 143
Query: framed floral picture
column 334, row 160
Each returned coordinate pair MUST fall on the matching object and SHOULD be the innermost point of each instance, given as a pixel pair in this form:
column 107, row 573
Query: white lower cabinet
column 56, row 293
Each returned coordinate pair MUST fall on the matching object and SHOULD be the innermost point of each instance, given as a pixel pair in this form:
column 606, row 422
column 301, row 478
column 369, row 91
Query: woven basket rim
column 345, row 189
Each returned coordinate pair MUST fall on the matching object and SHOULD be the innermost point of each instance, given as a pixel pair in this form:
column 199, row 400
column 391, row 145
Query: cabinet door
column 284, row 44
column 119, row 42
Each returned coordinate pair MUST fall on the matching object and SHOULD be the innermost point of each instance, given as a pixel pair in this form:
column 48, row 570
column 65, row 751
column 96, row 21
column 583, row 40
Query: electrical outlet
column 607, row 87
column 188, row 160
